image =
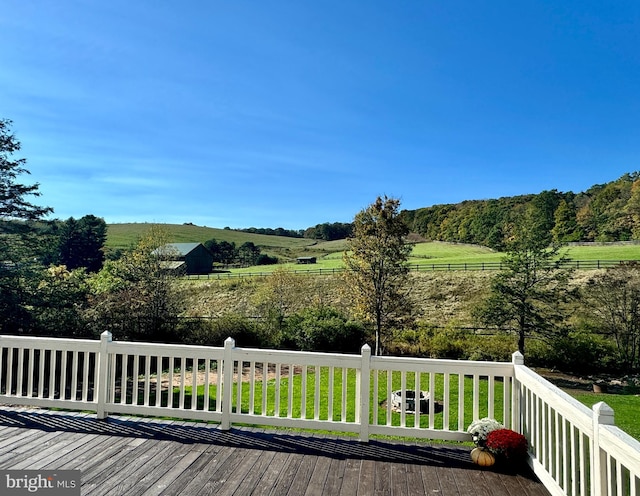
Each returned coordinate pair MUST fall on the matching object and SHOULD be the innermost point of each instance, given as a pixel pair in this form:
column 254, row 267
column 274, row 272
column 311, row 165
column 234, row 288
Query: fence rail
column 573, row 450
column 419, row 267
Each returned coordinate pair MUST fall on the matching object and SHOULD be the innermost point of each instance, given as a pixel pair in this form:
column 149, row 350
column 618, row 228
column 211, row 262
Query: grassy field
column 329, row 253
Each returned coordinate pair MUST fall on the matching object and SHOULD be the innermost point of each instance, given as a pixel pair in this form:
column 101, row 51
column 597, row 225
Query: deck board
column 152, row 457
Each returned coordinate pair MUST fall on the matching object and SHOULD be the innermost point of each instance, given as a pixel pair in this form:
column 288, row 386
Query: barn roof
column 183, row 248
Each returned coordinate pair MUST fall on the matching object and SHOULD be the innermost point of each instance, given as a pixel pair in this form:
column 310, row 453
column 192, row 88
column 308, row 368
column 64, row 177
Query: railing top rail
column 622, row 446
column 564, row 403
column 443, row 365
column 48, row 343
column 132, row 347
column 292, row 356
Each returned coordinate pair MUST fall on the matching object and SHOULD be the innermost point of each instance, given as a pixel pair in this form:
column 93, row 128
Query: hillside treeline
column 605, row 212
column 327, row 231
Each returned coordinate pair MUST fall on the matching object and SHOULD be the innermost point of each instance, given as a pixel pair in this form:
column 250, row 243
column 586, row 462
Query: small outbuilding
column 191, row 258
column 306, row 260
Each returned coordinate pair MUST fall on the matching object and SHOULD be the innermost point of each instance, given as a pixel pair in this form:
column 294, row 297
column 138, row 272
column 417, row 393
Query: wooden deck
column 125, row 456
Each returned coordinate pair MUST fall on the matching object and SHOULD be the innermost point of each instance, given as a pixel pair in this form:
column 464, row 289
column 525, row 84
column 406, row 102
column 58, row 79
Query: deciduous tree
column 377, row 275
column 612, row 302
column 136, row 296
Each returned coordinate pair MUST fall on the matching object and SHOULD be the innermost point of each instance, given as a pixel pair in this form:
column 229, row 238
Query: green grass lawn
column 380, row 409
column 625, row 407
column 604, row 252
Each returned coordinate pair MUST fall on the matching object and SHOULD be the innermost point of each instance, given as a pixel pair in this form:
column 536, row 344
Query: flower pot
column 599, row 388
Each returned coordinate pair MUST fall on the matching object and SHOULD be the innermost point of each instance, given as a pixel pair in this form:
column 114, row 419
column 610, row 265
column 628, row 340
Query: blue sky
column 289, row 114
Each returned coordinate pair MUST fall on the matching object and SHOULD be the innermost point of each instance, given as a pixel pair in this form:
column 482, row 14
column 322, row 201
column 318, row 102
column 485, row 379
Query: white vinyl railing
column 574, row 450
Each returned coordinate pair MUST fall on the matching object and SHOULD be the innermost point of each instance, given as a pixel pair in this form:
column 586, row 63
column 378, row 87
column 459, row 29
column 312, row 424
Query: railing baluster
column 432, row 400
column 265, row 382
column 343, row 413
column 417, row 405
column 239, row 368
column 403, row 398
column 389, row 396
column 491, row 396
column 252, row 386
column 195, row 369
column 147, row 379
column 290, row 391
column 446, row 398
column 316, row 399
column 207, row 384
column 183, row 366
column 158, row 402
column 53, row 365
column 74, row 377
column 276, row 409
column 218, row 386
column 303, row 392
column 20, row 371
column 9, row 371
column 112, row 380
column 330, row 394
column 172, row 366
column 63, row 379
column 476, row 396
column 30, row 373
column 85, row 375
column 461, row 394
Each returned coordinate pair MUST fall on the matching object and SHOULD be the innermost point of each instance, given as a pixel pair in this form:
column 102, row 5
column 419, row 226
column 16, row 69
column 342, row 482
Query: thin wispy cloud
column 294, row 114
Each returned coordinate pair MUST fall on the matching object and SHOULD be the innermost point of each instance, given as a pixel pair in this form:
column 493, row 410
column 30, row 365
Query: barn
column 195, row 256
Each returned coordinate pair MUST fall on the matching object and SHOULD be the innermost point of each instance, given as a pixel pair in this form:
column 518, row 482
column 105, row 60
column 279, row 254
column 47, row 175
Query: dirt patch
column 605, row 383
column 246, row 375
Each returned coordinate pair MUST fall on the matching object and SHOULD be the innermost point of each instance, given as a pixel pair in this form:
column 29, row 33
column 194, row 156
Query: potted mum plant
column 507, row 445
column 480, row 430
column 496, row 443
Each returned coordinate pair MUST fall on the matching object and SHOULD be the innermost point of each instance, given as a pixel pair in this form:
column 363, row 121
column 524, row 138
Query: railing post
column 516, row 404
column 602, row 415
column 365, row 392
column 102, row 384
column 227, row 383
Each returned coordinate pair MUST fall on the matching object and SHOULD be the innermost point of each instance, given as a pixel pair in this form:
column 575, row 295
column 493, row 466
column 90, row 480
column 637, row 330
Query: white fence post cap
column 517, row 358
column 603, row 413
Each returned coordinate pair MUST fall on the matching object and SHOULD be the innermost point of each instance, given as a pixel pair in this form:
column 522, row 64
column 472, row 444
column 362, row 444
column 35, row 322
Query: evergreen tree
column 527, row 295
column 81, row 243
column 18, row 245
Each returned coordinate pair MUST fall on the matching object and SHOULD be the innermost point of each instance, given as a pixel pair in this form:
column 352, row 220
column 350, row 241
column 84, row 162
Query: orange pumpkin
column 482, row 457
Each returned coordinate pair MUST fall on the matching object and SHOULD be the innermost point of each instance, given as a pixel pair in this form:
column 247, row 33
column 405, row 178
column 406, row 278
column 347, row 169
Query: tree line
column 605, row 212
column 247, row 254
column 327, row 231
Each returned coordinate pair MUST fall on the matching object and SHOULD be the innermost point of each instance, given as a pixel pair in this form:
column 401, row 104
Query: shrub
column 323, row 329
column 578, row 352
column 213, row 332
